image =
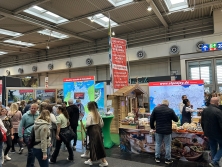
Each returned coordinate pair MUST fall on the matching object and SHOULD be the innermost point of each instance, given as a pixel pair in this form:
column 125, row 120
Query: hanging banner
column 119, row 63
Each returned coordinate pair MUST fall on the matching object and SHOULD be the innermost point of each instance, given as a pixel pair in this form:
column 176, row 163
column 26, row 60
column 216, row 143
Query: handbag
column 3, row 136
column 54, row 126
column 67, row 134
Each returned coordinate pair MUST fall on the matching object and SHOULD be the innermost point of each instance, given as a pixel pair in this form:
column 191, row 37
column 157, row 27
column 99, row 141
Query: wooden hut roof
column 128, row 89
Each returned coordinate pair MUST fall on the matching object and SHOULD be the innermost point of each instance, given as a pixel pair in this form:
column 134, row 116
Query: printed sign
column 119, row 63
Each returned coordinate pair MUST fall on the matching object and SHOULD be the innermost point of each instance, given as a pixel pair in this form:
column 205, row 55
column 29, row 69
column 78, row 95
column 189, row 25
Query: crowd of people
column 43, row 128
column 211, row 122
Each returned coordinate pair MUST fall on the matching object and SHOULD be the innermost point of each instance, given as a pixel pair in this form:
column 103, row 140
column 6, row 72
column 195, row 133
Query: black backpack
column 32, row 141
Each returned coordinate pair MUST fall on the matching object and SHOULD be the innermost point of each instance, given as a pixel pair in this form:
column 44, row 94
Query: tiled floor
column 115, row 157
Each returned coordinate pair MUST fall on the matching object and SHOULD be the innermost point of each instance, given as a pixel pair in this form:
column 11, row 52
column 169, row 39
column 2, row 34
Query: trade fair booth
column 124, row 111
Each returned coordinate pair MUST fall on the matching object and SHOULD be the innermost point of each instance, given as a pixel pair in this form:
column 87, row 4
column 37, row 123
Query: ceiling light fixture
column 53, row 34
column 113, row 33
column 102, row 20
column 149, row 8
column 45, row 14
column 19, row 43
column 3, row 53
column 119, row 2
column 10, row 33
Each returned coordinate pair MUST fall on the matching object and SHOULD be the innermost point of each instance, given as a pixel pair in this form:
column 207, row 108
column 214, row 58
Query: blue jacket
column 27, row 119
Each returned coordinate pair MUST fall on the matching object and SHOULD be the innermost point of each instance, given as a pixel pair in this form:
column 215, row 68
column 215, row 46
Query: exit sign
column 212, row 47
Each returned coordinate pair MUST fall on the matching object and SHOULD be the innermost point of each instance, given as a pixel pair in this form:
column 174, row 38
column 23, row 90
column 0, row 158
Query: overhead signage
column 212, row 47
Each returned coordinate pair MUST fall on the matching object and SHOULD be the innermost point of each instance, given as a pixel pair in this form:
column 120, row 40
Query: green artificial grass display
column 114, row 137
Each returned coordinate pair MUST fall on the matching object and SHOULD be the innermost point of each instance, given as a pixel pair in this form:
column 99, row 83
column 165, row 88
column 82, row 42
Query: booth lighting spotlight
column 113, row 33
column 149, row 8
column 47, row 47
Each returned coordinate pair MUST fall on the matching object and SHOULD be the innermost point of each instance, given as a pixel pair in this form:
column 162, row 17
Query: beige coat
column 42, row 133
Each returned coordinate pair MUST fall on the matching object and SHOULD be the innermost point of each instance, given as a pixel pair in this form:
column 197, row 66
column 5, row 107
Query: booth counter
column 185, row 145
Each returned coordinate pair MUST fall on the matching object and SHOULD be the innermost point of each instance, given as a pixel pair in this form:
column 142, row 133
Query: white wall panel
column 175, row 65
column 42, row 81
column 217, row 21
column 57, row 79
column 102, row 74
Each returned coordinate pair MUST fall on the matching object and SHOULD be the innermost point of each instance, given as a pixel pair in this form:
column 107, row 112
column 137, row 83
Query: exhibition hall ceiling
column 28, row 26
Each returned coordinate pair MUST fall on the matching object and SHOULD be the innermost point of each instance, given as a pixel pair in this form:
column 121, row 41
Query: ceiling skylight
column 175, row 5
column 10, row 33
column 119, row 2
column 53, row 34
column 3, row 53
column 176, row 1
column 102, row 20
column 45, row 14
column 19, row 43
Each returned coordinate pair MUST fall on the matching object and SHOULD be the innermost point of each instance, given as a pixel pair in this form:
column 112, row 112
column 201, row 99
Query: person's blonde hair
column 92, row 108
column 42, row 106
column 166, row 102
column 45, row 115
column 14, row 108
column 59, row 101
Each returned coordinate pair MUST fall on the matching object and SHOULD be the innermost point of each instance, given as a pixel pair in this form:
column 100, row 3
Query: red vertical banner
column 119, row 63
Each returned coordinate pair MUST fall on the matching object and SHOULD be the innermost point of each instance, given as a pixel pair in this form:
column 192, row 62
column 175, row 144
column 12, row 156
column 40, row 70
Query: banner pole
column 110, row 56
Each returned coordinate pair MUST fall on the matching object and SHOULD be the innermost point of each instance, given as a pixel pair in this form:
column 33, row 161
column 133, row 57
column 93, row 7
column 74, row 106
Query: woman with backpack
column 16, row 117
column 62, row 127
column 8, row 125
column 42, row 138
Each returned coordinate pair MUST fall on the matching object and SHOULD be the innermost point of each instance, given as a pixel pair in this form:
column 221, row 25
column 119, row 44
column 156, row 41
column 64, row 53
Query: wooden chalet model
column 125, row 100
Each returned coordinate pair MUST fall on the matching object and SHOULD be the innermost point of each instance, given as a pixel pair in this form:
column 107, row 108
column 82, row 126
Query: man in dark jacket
column 73, row 111
column 163, row 117
column 211, row 122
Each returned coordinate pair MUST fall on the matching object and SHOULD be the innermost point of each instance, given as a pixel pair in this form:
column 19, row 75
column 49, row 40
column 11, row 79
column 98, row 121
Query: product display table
column 184, row 145
column 108, row 143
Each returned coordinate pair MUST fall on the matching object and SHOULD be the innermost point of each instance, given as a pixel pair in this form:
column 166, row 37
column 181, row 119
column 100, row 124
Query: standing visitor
column 62, row 125
column 1, row 142
column 211, row 122
column 16, row 117
column 186, row 113
column 26, row 124
column 27, row 107
column 22, row 106
column 42, row 139
column 8, row 107
column 94, row 123
column 73, row 112
column 81, row 109
column 58, row 103
column 163, row 116
column 8, row 125
column 181, row 105
column 86, row 153
column 52, row 127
